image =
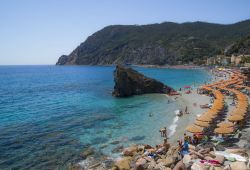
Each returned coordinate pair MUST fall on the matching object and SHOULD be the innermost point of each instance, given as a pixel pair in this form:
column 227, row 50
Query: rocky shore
column 205, row 156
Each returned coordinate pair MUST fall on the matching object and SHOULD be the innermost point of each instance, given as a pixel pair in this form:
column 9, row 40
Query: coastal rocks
column 198, row 166
column 140, row 163
column 129, row 82
column 202, row 157
column 148, row 146
column 123, row 164
column 161, row 167
column 220, row 158
column 187, row 160
column 238, row 166
column 141, row 148
column 180, row 166
column 151, row 165
column 167, row 162
column 130, row 151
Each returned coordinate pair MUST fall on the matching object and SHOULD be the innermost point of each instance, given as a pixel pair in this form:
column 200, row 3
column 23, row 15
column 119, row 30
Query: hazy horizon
column 38, row 33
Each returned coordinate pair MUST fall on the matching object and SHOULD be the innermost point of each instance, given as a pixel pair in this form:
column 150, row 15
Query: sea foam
column 173, row 126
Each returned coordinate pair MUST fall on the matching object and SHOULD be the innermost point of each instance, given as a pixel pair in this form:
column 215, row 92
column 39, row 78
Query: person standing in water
column 163, row 132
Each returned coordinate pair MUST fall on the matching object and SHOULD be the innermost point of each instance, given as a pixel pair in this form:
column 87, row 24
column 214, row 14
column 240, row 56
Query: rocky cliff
column 129, row 82
column 159, row 44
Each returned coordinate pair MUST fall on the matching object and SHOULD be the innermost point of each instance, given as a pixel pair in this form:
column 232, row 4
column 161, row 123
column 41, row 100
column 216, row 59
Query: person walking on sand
column 186, row 110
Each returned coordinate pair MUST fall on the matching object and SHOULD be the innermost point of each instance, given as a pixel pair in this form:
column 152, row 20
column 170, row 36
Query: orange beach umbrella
column 223, row 130
column 235, row 118
column 194, row 129
column 225, row 124
column 201, row 124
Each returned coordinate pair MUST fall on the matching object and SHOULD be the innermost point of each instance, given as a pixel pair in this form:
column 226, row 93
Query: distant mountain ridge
column 159, row 44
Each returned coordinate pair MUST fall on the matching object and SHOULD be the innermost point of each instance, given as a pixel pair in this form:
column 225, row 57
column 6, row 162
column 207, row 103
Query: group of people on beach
column 194, row 140
column 183, row 144
column 181, row 112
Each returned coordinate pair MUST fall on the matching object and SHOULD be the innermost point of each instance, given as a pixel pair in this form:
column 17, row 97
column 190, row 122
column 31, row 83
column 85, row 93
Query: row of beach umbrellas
column 225, row 127
column 206, row 118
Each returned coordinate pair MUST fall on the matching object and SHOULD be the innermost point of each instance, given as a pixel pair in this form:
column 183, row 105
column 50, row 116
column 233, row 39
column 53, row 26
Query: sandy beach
column 193, row 102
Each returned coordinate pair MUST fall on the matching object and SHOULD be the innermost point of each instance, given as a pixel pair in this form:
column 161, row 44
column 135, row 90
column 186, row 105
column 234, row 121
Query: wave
column 173, row 126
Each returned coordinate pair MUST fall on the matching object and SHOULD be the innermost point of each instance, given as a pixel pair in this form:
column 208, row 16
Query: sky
column 38, row 32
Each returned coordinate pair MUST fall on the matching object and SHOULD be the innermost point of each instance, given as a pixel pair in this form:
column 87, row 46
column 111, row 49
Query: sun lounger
column 205, row 106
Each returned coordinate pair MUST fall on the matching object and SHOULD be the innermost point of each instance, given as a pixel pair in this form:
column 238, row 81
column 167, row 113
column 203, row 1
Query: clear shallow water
column 50, row 114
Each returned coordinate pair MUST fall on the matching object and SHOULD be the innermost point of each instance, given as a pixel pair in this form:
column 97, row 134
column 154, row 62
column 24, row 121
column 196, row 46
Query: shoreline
column 169, row 66
column 178, row 124
column 193, row 109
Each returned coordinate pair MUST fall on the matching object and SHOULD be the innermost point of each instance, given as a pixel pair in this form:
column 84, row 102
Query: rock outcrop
column 129, row 82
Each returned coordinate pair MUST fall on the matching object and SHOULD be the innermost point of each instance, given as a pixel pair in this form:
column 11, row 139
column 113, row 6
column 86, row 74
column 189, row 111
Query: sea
column 51, row 115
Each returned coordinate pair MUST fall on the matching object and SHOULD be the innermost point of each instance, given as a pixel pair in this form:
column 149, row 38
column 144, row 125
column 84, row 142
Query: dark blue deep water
column 50, row 114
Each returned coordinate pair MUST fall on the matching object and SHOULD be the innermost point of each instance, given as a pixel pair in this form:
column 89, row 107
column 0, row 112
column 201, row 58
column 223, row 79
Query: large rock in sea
column 129, row 82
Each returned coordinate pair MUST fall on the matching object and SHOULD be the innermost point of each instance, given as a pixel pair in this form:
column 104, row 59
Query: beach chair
column 204, row 139
column 217, row 140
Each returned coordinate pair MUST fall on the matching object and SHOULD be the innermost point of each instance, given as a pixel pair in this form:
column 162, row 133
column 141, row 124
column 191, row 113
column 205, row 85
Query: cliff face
column 158, row 44
column 129, row 82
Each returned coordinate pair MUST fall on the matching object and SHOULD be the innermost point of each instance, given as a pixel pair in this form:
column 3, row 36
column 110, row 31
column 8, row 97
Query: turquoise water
column 50, row 114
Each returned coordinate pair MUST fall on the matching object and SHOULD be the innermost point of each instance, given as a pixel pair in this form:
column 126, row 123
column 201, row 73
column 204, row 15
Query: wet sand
column 193, row 102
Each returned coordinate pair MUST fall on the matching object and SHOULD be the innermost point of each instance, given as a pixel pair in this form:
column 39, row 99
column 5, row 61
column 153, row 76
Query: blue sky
column 39, row 31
